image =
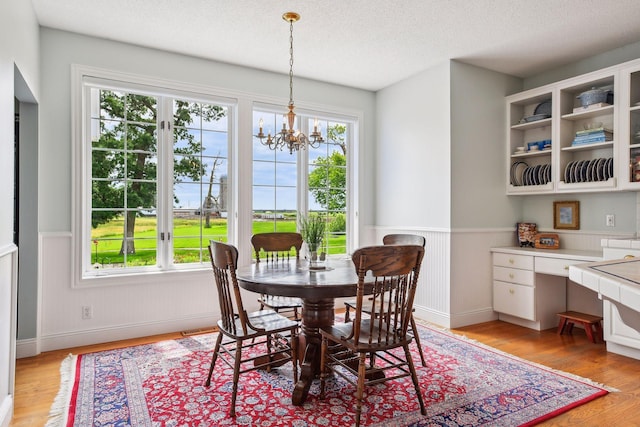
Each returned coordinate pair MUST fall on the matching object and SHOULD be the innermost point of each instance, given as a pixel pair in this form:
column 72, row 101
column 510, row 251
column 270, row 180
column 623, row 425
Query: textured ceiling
column 367, row 44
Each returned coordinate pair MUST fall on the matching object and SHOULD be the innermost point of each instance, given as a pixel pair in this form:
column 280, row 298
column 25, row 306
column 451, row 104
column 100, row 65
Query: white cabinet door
column 515, row 300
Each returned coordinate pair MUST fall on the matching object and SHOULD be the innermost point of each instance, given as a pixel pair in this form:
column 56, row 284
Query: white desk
column 530, row 285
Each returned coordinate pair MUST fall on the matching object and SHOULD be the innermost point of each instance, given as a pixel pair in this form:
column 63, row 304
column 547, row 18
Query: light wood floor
column 37, row 378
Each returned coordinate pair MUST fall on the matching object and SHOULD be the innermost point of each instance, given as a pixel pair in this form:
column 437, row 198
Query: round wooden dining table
column 317, row 289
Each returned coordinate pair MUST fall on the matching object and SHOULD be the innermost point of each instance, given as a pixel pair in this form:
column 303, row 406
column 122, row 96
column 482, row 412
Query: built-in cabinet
column 547, row 151
column 529, row 285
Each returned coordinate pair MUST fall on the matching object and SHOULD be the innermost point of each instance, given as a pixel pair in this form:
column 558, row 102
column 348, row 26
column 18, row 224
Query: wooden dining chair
column 348, row 348
column 240, row 331
column 276, row 248
column 395, row 239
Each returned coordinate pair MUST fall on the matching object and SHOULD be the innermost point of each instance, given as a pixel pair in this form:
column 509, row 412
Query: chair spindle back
column 224, row 259
column 276, row 246
column 396, row 269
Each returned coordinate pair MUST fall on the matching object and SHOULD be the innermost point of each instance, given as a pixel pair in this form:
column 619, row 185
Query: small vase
column 317, row 261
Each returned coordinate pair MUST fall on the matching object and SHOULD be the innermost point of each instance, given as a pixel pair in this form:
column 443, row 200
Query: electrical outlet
column 87, row 312
column 611, row 221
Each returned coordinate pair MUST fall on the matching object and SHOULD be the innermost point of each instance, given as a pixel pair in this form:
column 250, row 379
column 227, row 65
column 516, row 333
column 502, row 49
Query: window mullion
column 303, row 170
column 165, row 183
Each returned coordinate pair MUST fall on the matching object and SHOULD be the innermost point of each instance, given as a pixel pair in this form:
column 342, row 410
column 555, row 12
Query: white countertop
column 617, row 280
column 574, row 254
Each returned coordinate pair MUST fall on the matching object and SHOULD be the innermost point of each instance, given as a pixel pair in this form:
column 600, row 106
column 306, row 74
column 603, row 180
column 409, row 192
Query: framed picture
column 566, row 215
column 547, row 241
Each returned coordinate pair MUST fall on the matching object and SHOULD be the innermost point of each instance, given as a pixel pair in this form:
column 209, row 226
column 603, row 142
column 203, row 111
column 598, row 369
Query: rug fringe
column 59, row 409
column 495, row 350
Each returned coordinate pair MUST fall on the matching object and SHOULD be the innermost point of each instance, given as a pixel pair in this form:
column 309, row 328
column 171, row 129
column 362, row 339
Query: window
column 163, row 167
column 327, row 184
column 156, row 172
column 314, row 180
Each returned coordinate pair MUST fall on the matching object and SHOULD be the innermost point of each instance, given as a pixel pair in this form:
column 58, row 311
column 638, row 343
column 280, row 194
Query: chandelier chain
column 291, row 62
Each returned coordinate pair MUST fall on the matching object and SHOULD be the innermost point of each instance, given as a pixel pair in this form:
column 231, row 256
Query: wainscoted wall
column 8, row 298
column 455, row 289
column 456, row 278
column 135, row 307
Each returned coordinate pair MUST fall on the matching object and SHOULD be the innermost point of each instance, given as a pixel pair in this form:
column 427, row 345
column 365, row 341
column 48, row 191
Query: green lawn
column 190, row 239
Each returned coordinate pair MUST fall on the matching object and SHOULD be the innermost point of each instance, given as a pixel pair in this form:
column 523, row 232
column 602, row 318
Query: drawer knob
column 566, row 267
column 511, row 261
column 511, row 291
column 511, row 276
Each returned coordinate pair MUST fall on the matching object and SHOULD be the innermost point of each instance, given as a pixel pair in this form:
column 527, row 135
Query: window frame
column 239, row 201
column 353, row 123
column 84, row 79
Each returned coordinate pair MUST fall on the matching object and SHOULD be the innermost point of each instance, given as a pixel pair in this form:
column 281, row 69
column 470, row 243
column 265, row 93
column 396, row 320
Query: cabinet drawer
column 555, row 266
column 513, row 275
column 619, row 253
column 516, row 300
column 524, row 262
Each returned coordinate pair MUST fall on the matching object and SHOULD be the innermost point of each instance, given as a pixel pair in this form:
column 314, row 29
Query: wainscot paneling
column 455, row 287
column 8, row 301
column 433, row 295
column 170, row 302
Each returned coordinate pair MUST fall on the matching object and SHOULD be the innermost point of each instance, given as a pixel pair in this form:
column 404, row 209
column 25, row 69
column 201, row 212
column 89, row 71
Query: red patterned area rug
column 465, row 383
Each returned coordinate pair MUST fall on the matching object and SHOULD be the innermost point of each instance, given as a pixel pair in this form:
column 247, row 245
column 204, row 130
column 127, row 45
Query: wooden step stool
column 592, row 325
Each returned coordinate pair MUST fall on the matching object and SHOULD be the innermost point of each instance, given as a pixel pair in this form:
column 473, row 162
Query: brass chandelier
column 289, row 137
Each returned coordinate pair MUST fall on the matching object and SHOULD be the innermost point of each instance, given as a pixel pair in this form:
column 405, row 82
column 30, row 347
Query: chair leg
column 269, row 338
column 414, row 329
column 236, row 377
column 294, row 355
column 414, row 377
column 347, row 319
column 216, row 349
column 323, row 365
column 362, row 370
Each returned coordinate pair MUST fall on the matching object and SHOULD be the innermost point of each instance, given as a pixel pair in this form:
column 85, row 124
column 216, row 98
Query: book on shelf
column 592, row 136
column 594, row 130
column 590, row 107
column 590, row 140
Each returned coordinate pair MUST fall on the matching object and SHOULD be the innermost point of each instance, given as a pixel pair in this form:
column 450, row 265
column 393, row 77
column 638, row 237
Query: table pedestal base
column 315, row 315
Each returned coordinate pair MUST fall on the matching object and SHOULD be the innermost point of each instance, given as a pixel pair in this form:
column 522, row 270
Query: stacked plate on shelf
column 523, row 174
column 589, row 170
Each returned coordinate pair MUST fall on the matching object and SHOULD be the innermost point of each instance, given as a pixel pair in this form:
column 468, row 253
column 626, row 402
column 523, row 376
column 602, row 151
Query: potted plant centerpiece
column 312, row 229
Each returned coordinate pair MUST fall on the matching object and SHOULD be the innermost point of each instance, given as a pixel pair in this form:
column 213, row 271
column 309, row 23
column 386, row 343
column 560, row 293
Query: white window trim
column 240, row 158
column 81, row 78
column 355, row 122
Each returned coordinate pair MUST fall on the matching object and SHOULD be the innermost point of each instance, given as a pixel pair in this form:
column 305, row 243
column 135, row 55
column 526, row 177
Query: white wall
column 174, row 301
column 18, row 50
column 440, row 173
column 477, row 171
column 413, row 182
column 482, row 216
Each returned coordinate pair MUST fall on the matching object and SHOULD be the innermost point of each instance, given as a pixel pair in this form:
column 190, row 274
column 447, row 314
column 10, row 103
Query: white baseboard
column 624, row 350
column 432, row 316
column 6, row 410
column 122, row 332
column 447, row 321
column 27, row 348
column 474, row 317
column 520, row 322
